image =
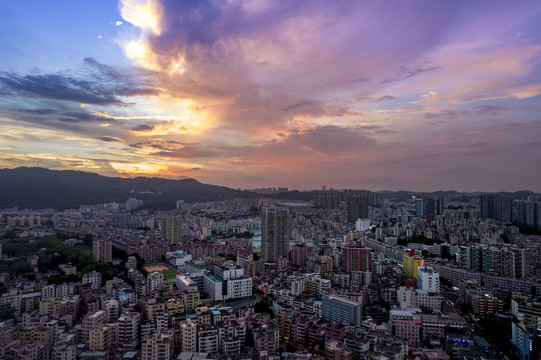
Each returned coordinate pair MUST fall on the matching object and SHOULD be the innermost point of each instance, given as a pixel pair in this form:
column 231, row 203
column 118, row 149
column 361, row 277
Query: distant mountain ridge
column 39, row 188
column 61, row 189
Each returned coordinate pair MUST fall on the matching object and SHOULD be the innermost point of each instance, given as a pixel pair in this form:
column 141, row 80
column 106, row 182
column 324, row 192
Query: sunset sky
column 380, row 95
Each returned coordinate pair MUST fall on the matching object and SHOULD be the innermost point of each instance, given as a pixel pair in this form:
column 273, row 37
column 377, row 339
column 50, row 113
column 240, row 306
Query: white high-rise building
column 297, row 286
column 207, row 339
column 133, row 203
column 158, row 345
column 230, row 276
column 428, row 279
column 64, row 351
column 92, row 321
column 188, row 336
column 93, row 278
column 362, row 224
column 128, row 329
column 13, row 298
column 111, row 309
column 48, row 292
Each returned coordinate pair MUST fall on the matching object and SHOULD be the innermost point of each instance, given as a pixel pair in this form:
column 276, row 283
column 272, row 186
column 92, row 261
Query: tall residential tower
column 274, row 233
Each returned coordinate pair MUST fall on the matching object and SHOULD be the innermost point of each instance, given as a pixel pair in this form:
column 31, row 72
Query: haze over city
column 381, row 95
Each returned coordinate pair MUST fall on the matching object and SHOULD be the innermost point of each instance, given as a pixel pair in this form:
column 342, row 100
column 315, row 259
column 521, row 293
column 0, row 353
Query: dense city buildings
column 258, row 278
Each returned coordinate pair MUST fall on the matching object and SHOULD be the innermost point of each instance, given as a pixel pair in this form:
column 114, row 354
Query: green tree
column 264, row 306
column 7, row 312
column 87, row 240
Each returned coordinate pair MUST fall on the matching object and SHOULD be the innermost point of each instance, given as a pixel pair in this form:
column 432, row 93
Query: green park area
column 169, row 275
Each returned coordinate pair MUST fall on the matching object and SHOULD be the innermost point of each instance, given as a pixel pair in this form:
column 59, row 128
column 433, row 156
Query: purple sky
column 418, row 95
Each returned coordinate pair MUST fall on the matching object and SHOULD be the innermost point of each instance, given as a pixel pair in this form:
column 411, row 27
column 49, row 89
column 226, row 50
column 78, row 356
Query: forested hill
column 42, row 188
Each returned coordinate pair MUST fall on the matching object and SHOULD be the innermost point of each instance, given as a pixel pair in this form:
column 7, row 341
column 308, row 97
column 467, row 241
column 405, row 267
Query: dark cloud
column 143, row 127
column 409, row 72
column 298, row 105
column 56, row 87
column 37, row 111
column 58, row 116
column 122, row 81
column 109, row 72
column 346, row 83
column 333, row 139
column 444, row 114
column 385, row 98
column 174, row 149
column 109, row 139
column 490, row 110
column 82, row 117
column 104, row 86
column 327, row 140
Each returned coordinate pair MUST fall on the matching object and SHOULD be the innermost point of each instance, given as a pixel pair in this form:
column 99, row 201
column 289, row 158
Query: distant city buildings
column 529, row 213
column 294, row 276
column 357, row 208
column 496, row 206
column 326, row 199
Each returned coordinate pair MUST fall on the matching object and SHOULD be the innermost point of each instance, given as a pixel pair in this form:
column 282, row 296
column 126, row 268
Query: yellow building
column 191, row 299
column 410, row 263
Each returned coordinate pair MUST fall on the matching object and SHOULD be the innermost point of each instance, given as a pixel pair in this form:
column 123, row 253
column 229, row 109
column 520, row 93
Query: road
column 473, row 328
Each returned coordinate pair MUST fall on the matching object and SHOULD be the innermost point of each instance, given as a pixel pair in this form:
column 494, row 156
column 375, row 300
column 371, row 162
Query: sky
column 381, row 95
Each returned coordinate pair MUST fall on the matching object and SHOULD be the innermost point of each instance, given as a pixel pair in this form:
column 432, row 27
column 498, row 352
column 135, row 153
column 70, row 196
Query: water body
column 257, row 237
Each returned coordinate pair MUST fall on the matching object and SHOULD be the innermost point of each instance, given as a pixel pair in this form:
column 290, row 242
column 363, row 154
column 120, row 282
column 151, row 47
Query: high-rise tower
column 102, row 250
column 419, row 208
column 357, row 208
column 355, row 258
column 496, row 206
column 274, row 233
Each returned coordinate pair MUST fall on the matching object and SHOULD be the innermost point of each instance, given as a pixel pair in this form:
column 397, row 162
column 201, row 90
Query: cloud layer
column 384, row 95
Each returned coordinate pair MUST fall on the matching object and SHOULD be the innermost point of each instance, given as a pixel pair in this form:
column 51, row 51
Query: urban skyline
column 382, row 96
